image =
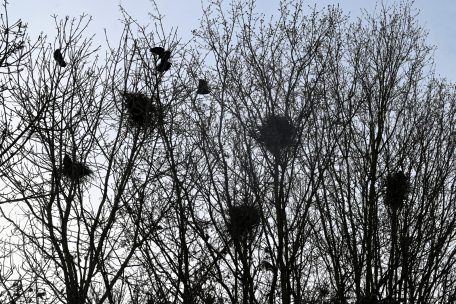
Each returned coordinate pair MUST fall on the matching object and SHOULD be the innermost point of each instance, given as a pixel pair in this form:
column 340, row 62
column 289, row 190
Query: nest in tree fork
column 142, row 110
column 277, row 134
column 242, row 220
column 396, row 189
column 74, row 170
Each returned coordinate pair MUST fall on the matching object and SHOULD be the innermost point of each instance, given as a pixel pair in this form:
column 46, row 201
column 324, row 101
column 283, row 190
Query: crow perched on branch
column 397, row 186
column 59, row 58
column 203, row 87
column 158, row 50
column 164, row 56
column 163, row 66
column 74, row 170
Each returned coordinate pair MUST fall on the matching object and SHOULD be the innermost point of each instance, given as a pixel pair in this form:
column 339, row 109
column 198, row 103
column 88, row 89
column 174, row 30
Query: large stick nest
column 142, row 111
column 277, row 134
column 397, row 186
column 242, row 220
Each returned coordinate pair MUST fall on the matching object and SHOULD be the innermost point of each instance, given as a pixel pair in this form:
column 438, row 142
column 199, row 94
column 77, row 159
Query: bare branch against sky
column 437, row 17
column 219, row 155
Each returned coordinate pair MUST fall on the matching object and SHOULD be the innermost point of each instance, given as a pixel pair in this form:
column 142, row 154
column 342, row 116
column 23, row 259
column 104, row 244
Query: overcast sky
column 436, row 16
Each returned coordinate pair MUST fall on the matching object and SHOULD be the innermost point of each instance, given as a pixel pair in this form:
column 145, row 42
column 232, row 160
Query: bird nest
column 397, row 187
column 277, row 134
column 142, row 111
column 75, row 170
column 242, row 220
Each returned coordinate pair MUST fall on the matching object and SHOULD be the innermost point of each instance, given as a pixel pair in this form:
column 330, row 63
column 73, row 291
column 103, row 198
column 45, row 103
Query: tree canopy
column 306, row 158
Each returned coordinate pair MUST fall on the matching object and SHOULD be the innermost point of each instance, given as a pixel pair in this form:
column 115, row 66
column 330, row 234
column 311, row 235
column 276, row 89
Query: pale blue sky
column 436, row 16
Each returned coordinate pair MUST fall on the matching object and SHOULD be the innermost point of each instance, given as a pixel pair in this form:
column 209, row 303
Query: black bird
column 163, row 66
column 74, row 170
column 203, row 88
column 158, row 50
column 67, row 165
column 59, row 58
column 165, row 55
column 80, row 170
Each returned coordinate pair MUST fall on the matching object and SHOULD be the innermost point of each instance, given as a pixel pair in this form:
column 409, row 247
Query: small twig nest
column 397, row 187
column 142, row 111
column 277, row 134
column 242, row 220
column 74, row 170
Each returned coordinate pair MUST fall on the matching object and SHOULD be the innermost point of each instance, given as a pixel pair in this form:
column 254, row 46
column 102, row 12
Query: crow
column 163, row 66
column 59, row 58
column 67, row 165
column 203, row 88
column 164, row 56
column 158, row 50
column 74, row 170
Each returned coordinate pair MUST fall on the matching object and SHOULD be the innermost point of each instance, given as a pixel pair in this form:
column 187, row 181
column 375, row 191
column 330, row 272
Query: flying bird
column 59, row 58
column 203, row 87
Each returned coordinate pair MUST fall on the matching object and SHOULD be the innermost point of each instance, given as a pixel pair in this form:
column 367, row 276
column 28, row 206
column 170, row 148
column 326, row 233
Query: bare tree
column 267, row 144
column 304, row 159
column 81, row 178
column 378, row 248
column 15, row 47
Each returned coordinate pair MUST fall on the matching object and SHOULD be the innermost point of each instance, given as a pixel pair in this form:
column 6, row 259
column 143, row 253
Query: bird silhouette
column 59, row 58
column 80, row 170
column 203, row 87
column 165, row 55
column 158, row 50
column 163, row 66
column 74, row 170
column 67, row 164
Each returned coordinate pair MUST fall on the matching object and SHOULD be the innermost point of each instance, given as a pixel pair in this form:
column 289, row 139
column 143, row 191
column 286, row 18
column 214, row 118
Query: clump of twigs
column 242, row 220
column 277, row 134
column 397, row 187
column 142, row 111
column 74, row 170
